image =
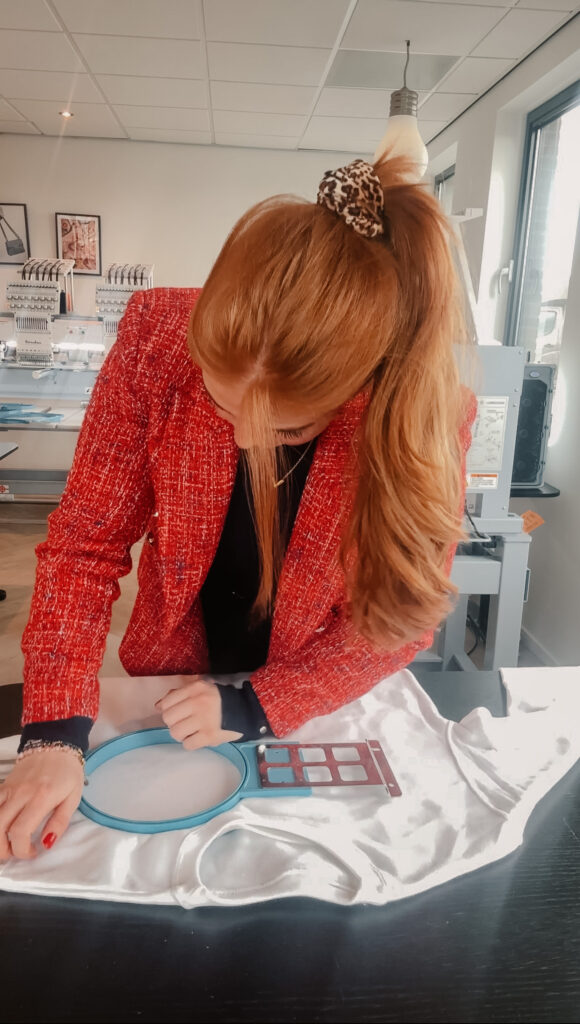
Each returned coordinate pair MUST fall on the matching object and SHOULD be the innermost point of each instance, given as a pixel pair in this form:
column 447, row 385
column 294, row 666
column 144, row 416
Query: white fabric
column 162, row 782
column 468, row 790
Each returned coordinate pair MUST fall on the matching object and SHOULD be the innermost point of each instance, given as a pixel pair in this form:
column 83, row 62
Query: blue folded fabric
column 17, row 412
column 16, row 406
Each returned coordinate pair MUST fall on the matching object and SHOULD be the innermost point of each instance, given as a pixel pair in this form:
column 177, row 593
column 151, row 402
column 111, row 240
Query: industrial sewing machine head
column 43, row 332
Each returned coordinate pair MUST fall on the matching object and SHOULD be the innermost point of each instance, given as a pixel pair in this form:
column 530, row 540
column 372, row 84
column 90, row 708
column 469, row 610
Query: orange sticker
column 531, row 520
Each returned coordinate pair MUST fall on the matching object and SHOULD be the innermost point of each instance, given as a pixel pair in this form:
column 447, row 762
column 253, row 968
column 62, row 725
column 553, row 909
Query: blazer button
column 150, row 538
column 263, row 730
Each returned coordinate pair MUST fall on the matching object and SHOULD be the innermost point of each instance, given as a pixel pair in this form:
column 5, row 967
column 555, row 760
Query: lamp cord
column 408, row 41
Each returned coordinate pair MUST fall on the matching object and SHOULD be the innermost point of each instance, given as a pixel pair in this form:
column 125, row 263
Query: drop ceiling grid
column 255, row 72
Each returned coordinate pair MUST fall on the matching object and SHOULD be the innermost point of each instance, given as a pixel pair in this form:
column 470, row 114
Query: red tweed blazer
column 154, row 458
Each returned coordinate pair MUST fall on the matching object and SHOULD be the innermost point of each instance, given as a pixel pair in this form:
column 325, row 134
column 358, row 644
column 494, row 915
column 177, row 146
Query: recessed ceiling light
column 65, row 113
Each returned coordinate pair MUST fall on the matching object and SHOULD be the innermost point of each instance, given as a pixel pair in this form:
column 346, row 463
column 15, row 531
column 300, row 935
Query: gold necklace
column 278, row 483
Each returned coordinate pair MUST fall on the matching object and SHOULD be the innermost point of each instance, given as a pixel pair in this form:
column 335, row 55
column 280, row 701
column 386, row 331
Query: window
column 444, row 188
column 546, row 227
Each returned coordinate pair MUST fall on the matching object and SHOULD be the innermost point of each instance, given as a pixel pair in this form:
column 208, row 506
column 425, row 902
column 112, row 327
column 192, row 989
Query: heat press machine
column 494, row 560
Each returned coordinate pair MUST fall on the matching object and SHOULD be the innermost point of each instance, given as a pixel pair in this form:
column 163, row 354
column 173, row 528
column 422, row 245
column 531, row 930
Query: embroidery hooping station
column 265, row 769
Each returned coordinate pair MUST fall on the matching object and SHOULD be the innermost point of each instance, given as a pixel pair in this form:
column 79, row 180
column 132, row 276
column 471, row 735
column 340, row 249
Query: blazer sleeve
column 103, row 511
column 327, row 673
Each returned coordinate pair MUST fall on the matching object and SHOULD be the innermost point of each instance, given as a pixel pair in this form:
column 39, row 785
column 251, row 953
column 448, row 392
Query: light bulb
column 402, row 136
column 402, row 139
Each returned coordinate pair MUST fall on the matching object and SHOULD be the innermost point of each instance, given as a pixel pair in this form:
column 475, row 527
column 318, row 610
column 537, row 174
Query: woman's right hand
column 45, row 782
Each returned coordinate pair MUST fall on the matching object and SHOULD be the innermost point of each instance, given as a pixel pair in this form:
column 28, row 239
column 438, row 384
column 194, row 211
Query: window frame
column 441, row 178
column 537, row 119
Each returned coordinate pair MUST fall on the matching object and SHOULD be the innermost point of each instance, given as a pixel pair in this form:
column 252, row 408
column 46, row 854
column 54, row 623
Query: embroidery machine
column 49, row 361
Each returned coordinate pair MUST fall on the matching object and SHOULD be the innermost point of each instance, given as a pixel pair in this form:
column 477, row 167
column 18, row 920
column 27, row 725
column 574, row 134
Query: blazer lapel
column 311, row 580
column 194, row 469
column 198, row 460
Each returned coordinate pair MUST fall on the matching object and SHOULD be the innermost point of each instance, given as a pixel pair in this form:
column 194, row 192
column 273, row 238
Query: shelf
column 545, row 491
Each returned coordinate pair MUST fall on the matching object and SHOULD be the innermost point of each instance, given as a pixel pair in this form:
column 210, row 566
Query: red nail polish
column 49, row 840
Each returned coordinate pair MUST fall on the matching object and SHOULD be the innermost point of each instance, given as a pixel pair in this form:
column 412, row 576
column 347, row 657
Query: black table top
column 500, row 944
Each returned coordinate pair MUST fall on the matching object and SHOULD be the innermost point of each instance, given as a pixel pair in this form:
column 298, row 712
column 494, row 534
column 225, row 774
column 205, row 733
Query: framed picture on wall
column 14, row 238
column 78, row 238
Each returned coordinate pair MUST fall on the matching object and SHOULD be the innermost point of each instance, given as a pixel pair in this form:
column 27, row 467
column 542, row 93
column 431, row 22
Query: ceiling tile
column 350, row 134
column 30, row 14
column 299, row 23
column 244, row 122
column 281, row 65
column 154, row 58
column 160, row 135
column 48, row 85
column 357, row 69
column 311, row 141
column 356, row 102
column 548, row 5
column 7, row 113
column 18, row 128
column 518, row 32
column 429, row 129
column 273, row 99
column 180, row 118
column 39, row 51
column 90, row 118
column 506, row 4
column 445, row 106
column 431, row 27
column 160, row 19
column 476, row 74
column 256, row 141
column 153, row 92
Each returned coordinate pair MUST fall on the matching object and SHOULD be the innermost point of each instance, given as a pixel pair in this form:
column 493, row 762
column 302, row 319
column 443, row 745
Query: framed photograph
column 14, row 238
column 78, row 238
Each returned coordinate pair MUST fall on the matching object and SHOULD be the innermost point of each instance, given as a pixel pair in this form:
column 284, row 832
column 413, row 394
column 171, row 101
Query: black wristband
column 73, row 730
column 242, row 712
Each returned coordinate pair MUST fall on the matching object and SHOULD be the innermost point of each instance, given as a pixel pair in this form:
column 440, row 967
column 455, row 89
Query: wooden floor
column 17, row 569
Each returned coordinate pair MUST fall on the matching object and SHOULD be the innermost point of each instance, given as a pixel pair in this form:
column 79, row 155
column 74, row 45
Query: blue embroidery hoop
column 242, row 755
column 267, row 769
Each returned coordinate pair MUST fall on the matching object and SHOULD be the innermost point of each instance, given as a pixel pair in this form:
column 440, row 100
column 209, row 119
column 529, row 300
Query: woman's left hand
column 193, row 714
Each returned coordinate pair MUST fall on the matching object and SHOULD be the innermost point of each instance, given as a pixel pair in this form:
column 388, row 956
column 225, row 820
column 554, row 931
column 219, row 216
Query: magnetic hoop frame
column 148, row 738
column 256, row 770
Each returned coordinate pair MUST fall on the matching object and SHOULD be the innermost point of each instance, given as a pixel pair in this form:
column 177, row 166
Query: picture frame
column 78, row 238
column 14, row 236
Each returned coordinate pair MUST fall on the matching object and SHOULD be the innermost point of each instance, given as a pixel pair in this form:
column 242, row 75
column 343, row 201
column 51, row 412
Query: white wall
column 170, row 205
column 486, row 145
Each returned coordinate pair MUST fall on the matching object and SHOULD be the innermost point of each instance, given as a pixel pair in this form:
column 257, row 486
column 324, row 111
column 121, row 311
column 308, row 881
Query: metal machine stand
column 495, row 561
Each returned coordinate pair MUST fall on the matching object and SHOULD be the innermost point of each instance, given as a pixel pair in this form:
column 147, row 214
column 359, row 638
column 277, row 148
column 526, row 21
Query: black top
column 227, row 596
column 232, row 582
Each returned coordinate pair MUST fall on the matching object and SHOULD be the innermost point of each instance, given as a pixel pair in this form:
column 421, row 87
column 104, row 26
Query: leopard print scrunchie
column 354, row 192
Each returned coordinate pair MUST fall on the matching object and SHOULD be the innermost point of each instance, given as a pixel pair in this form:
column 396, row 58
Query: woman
column 293, row 450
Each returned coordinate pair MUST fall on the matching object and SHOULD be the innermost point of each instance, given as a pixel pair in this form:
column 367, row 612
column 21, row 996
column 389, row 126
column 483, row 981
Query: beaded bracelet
column 32, row 745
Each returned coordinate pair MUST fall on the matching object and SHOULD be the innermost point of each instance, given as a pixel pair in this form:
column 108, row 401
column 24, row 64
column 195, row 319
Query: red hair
column 310, row 313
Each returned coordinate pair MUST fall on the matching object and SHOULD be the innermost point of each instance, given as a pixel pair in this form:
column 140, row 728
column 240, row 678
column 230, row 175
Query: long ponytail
column 410, row 481
column 312, row 313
